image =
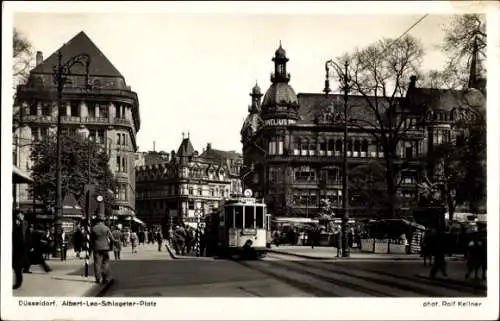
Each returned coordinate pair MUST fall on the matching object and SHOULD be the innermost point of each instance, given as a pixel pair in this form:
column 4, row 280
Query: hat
column 100, row 217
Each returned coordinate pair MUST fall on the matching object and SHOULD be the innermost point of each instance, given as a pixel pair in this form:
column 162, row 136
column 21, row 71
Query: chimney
column 39, row 57
column 209, row 146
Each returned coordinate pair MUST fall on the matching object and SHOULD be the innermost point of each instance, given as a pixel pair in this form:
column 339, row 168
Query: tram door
column 268, row 229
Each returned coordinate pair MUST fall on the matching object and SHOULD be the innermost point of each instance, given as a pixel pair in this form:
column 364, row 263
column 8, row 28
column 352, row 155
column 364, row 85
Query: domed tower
column 280, row 103
column 253, row 120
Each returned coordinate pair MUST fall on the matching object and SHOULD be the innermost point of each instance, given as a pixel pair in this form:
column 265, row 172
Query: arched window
column 304, row 146
column 357, row 148
column 312, row 148
column 349, row 147
column 322, row 146
column 364, row 148
column 338, row 147
column 331, row 147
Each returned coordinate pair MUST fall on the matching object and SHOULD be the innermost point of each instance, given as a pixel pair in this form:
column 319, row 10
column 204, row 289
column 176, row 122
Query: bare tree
column 461, row 163
column 380, row 73
column 22, row 55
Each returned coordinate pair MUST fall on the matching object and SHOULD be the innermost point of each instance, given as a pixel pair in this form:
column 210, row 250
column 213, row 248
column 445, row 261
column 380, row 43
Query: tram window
column 229, row 217
column 238, row 216
column 249, row 216
column 259, row 212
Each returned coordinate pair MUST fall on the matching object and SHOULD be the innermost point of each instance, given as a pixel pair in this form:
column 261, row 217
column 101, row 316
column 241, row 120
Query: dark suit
column 117, row 243
column 101, row 239
column 19, row 250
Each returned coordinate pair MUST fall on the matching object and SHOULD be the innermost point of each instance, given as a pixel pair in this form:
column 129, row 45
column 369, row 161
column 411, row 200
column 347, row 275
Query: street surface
column 155, row 274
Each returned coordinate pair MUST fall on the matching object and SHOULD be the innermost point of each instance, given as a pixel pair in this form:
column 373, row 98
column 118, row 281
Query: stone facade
column 107, row 112
column 186, row 184
column 293, row 144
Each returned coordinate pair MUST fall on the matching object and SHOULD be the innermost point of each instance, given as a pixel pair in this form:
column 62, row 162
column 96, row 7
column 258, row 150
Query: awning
column 19, row 177
column 135, row 220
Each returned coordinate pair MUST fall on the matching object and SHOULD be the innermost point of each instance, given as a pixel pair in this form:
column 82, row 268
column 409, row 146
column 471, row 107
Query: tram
column 240, row 226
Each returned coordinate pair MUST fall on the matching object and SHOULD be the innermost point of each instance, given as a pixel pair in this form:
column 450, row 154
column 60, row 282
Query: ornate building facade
column 293, row 145
column 187, row 185
column 107, row 112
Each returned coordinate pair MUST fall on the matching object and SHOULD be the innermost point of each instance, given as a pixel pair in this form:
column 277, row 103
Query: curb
column 336, row 258
column 99, row 290
column 170, row 252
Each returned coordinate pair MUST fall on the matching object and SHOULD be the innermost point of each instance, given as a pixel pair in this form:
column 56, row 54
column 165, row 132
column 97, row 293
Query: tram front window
column 249, row 217
column 238, row 216
column 259, row 212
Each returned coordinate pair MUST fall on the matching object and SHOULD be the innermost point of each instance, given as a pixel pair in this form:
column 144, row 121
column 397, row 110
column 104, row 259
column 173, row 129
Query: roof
column 445, row 99
column 279, row 94
column 219, row 155
column 186, row 148
column 81, row 43
column 314, row 106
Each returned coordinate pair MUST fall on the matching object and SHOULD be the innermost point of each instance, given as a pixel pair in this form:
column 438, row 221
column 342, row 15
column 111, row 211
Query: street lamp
column 198, row 213
column 60, row 72
column 345, row 81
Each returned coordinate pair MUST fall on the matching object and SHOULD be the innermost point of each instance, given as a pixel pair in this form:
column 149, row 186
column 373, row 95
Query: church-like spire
column 280, row 60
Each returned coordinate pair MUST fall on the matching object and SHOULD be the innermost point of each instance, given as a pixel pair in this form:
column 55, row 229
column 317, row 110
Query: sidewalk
column 63, row 280
column 171, row 251
column 329, row 253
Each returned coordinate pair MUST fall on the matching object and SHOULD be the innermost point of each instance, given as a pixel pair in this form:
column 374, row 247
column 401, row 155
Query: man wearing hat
column 102, row 241
column 19, row 251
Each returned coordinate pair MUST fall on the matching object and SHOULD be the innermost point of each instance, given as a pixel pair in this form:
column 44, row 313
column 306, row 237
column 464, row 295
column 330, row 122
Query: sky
column 193, row 72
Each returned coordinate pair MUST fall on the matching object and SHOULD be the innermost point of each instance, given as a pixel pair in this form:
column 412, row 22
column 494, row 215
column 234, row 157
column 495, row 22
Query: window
column 190, row 191
column 100, row 136
column 124, row 139
column 229, row 217
column 118, row 164
column 249, row 217
column 238, row 217
column 222, row 193
column 200, row 191
column 46, row 109
column 191, row 204
column 212, row 192
column 91, row 109
column 33, row 108
column 118, row 139
column 259, row 217
column 75, row 109
column 124, row 164
column 122, row 192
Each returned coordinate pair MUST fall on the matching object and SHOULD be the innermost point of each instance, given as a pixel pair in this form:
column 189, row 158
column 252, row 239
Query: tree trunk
column 391, row 186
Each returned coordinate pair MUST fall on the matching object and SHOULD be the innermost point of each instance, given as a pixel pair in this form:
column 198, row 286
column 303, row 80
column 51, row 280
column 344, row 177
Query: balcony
column 46, row 119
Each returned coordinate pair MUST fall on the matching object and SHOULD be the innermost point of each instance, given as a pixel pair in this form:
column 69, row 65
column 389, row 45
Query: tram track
column 412, row 287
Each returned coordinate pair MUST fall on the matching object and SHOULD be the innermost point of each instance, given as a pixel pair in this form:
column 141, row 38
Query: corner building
column 186, row 184
column 107, row 112
column 293, row 145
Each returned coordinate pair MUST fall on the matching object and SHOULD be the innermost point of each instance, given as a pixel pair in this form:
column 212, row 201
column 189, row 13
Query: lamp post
column 60, row 73
column 345, row 81
column 198, row 213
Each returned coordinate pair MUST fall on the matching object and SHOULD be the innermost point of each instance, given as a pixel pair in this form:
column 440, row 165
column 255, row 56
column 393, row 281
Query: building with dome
column 293, row 145
column 107, row 112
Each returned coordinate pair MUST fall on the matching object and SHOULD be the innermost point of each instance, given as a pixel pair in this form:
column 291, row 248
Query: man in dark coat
column 19, row 258
column 35, row 245
column 101, row 239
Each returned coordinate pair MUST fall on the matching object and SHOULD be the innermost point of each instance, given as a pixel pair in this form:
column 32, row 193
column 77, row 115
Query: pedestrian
column 159, row 239
column 117, row 242
column 63, row 241
column 35, row 246
column 78, row 241
column 179, row 240
column 142, row 236
column 101, row 239
column 151, row 238
column 134, row 240
column 439, row 250
column 47, row 242
column 19, row 250
column 426, row 245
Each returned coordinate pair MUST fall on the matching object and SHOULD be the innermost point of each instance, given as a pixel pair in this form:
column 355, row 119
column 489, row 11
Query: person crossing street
column 102, row 242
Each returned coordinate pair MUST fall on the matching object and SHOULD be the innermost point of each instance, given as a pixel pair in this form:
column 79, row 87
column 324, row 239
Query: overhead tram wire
column 404, row 33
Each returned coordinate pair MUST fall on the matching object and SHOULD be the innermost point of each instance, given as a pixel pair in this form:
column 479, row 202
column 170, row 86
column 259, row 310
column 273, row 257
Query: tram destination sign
column 247, row 200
